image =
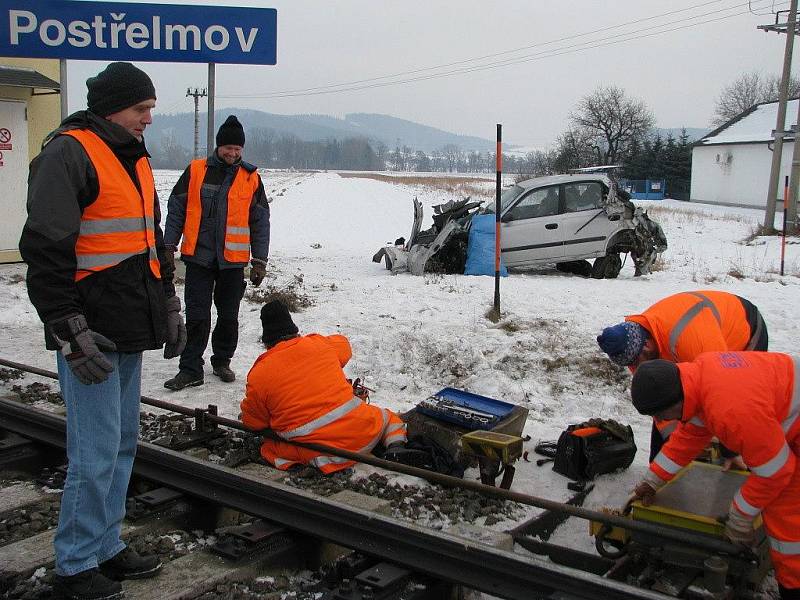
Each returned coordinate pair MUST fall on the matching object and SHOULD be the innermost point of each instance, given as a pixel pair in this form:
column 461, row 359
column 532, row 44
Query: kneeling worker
column 751, row 402
column 298, row 389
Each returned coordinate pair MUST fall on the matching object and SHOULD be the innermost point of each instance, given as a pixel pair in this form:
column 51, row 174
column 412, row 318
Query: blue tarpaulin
column 480, row 247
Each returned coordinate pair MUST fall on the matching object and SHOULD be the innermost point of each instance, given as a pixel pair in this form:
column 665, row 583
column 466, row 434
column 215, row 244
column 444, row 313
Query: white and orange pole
column 499, row 162
column 785, row 205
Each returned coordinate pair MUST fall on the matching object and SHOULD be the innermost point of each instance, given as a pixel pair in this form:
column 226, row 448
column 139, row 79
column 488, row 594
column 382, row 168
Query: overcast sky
column 324, row 42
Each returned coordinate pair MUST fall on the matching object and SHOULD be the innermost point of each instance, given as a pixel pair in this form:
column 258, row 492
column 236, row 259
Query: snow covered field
column 412, row 336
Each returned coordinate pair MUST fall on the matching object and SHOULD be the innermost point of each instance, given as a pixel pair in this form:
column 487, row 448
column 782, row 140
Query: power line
column 377, row 81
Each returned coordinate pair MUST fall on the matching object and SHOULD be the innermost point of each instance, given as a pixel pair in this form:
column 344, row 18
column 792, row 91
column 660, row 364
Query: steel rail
column 671, row 534
column 471, row 563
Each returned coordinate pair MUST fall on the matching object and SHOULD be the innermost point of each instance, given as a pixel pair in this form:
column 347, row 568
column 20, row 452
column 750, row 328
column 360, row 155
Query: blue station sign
column 138, row 32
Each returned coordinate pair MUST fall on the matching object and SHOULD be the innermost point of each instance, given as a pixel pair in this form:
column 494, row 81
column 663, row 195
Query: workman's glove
column 646, row 489
column 258, row 270
column 739, row 528
column 83, row 349
column 176, row 330
column 169, row 256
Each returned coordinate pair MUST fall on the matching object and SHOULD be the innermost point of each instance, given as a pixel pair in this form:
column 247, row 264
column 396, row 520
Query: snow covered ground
column 412, row 336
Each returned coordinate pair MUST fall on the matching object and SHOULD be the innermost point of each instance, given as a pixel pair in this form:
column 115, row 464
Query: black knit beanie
column 119, row 86
column 276, row 322
column 231, row 133
column 656, row 386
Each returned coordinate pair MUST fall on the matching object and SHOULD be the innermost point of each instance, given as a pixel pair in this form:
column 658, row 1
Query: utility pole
column 196, row 94
column 779, row 133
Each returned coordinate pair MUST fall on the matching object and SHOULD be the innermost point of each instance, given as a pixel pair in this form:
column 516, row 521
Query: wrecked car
column 561, row 219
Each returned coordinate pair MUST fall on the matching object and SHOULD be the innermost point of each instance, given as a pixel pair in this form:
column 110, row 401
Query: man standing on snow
column 679, row 328
column 99, row 279
column 751, row 402
column 298, row 389
column 220, row 209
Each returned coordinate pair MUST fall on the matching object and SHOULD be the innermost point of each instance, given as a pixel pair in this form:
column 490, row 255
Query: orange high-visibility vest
column 237, row 225
column 686, row 324
column 120, row 223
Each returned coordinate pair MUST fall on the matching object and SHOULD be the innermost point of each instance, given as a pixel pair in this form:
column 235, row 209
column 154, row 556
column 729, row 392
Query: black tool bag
column 592, row 448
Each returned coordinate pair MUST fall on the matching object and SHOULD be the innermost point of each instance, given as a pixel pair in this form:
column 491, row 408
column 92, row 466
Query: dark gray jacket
column 210, row 248
column 126, row 303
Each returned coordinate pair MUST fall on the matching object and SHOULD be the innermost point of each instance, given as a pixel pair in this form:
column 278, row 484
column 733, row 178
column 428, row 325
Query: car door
column 584, row 223
column 529, row 230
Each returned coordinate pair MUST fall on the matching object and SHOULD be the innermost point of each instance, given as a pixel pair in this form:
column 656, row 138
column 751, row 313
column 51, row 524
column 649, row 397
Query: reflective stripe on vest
column 665, row 428
column 690, row 314
column 789, row 548
column 237, row 224
column 774, row 464
column 744, row 507
column 120, row 223
column 666, row 463
column 321, row 421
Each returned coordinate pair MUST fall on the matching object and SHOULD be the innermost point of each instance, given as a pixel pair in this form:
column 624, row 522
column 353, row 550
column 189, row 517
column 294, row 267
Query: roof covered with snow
column 753, row 125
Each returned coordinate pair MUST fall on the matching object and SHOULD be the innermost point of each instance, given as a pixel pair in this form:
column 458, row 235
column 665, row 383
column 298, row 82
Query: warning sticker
column 5, row 139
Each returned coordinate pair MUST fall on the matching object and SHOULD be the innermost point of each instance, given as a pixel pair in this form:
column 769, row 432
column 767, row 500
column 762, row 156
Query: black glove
column 169, row 256
column 83, row 349
column 258, row 271
column 176, row 329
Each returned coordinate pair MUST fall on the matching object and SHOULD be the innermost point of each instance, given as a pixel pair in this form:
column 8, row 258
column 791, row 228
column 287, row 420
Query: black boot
column 789, row 593
column 87, row 585
column 182, row 380
column 129, row 565
column 223, row 371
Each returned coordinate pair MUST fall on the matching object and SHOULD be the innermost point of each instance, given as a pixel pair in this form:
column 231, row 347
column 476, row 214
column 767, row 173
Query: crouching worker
column 751, row 402
column 298, row 389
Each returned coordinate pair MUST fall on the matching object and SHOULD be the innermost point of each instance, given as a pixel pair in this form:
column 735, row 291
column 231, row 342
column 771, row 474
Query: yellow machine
column 697, row 500
column 496, row 452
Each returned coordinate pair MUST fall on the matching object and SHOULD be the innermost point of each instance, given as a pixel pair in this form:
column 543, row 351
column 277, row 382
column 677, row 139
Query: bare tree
column 748, row 90
column 612, row 120
column 575, row 148
column 454, row 155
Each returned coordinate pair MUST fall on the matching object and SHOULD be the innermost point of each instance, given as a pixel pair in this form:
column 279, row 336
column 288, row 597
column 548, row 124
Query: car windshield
column 506, row 198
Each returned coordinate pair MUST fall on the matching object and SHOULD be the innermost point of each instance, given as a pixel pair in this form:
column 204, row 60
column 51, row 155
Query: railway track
column 280, row 518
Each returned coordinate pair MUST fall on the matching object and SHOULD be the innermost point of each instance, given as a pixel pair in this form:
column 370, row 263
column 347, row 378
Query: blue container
column 465, row 409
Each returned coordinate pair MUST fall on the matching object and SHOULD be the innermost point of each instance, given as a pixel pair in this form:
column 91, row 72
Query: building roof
column 755, row 125
column 24, row 77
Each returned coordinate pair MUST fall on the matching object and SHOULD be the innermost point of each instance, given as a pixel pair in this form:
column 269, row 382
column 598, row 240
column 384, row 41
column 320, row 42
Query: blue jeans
column 102, row 431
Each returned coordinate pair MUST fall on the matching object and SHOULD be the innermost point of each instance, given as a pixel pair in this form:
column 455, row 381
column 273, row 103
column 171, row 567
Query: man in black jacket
column 219, row 208
column 100, row 282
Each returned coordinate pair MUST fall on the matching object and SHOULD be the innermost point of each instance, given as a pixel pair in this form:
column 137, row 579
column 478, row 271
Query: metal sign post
column 212, row 90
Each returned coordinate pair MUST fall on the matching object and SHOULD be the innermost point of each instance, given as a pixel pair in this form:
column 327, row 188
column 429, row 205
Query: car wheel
column 607, row 267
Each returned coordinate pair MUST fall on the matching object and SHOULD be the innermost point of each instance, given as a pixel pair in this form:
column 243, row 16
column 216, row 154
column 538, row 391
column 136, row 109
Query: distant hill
column 376, row 128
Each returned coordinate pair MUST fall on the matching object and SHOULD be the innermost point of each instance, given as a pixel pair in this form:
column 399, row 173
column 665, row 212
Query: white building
column 30, row 107
column 731, row 164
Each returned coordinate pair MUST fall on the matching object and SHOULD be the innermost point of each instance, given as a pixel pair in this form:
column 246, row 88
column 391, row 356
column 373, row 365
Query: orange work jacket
column 120, row 223
column 750, row 402
column 687, row 324
column 237, row 224
column 298, row 389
